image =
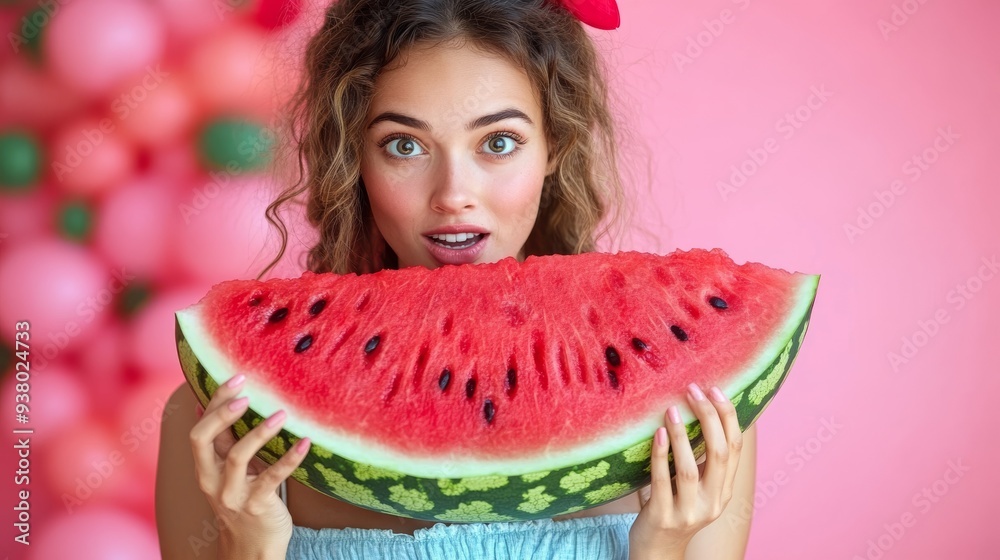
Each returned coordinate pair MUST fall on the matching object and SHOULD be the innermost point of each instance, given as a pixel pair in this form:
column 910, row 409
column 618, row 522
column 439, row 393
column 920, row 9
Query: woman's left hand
column 667, row 522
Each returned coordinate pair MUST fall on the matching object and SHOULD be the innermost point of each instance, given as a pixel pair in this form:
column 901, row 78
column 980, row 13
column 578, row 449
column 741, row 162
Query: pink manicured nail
column 674, row 416
column 275, row 419
column 302, row 445
column 235, row 381
column 717, row 395
column 661, row 436
column 238, row 403
column 696, row 392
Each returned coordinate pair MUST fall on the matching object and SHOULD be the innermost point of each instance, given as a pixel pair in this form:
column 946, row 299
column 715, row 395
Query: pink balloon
column 157, row 116
column 58, row 399
column 152, row 345
column 239, row 70
column 177, row 162
column 30, row 97
column 275, row 14
column 188, row 19
column 134, row 226
column 26, row 215
column 90, row 156
column 102, row 365
column 224, row 233
column 99, row 533
column 93, row 45
column 60, row 289
column 141, row 410
column 89, row 463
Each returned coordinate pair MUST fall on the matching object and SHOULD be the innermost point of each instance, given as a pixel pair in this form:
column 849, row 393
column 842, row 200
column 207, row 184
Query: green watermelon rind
column 534, row 494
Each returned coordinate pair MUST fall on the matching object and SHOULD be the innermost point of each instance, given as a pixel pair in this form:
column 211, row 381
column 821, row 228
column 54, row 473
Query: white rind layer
column 359, row 449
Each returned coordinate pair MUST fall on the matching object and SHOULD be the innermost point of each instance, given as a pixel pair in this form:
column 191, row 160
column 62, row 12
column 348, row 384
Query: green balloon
column 75, row 220
column 29, row 34
column 133, row 298
column 234, row 145
column 20, row 161
column 6, row 358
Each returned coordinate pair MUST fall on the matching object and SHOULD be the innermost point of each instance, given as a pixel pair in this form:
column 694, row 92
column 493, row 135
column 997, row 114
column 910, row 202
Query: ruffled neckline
column 454, row 530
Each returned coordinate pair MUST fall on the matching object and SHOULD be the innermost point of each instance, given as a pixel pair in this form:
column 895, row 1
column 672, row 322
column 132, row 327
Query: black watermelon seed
column 638, row 344
column 303, row 343
column 317, row 307
column 612, row 355
column 613, row 379
column 679, row 333
column 470, row 388
column 254, row 301
column 718, row 302
column 371, row 345
column 445, row 379
column 278, row 315
column 511, row 380
column 488, row 411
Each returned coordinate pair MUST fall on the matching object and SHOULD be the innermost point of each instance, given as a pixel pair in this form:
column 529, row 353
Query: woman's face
column 455, row 146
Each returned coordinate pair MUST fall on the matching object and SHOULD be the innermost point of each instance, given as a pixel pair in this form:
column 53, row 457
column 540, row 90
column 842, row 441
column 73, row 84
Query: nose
column 455, row 186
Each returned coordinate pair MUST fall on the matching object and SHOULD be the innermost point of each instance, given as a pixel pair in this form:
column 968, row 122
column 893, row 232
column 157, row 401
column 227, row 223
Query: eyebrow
column 485, row 120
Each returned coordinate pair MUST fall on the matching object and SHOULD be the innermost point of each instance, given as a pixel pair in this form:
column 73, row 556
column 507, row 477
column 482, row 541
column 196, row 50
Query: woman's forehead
column 447, row 86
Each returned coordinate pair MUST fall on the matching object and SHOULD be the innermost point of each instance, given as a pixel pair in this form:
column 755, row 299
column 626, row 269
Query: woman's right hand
column 242, row 490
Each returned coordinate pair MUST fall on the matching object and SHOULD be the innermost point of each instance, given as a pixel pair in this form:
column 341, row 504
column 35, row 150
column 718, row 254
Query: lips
column 466, row 254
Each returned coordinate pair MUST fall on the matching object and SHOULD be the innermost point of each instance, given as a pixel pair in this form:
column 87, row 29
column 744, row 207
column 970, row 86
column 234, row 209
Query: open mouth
column 456, row 241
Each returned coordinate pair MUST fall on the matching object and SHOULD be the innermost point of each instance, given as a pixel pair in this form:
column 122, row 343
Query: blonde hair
column 580, row 202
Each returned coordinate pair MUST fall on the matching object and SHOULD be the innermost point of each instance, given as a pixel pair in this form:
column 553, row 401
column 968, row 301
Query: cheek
column 386, row 195
column 518, row 195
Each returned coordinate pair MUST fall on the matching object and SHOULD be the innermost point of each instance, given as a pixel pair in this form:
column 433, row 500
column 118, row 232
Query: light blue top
column 602, row 537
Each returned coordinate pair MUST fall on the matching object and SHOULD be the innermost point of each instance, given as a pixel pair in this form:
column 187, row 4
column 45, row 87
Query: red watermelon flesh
column 501, row 367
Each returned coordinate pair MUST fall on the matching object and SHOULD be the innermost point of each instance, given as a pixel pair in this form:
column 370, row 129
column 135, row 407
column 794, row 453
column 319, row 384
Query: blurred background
column 135, row 143
column 852, row 139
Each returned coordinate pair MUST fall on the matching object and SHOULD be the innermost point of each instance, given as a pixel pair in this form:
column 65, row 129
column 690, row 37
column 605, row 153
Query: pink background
column 853, row 440
column 900, row 428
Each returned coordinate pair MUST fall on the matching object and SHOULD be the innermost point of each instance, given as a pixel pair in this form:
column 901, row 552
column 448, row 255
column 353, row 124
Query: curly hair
column 580, row 202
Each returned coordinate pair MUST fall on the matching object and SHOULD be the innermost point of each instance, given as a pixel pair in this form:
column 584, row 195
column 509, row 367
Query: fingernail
column 275, row 419
column 198, row 410
column 674, row 416
column 235, row 381
column 302, row 445
column 717, row 395
column 661, row 436
column 696, row 392
column 238, row 403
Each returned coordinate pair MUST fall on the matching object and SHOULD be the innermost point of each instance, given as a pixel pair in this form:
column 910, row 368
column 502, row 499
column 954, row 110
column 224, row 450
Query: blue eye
column 408, row 146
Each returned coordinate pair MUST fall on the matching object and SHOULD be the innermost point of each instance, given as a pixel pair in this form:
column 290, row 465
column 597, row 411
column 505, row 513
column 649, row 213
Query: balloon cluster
column 135, row 139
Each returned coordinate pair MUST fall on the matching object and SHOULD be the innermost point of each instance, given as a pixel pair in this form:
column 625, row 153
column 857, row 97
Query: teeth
column 456, row 237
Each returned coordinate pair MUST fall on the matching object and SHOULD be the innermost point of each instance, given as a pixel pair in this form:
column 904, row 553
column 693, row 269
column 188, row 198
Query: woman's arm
column 726, row 537
column 186, row 524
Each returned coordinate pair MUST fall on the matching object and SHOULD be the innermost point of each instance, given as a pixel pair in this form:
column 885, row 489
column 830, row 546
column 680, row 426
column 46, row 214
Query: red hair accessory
column 600, row 14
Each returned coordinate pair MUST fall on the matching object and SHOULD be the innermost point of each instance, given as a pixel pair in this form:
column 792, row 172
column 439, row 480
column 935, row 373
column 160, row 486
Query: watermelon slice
column 495, row 392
